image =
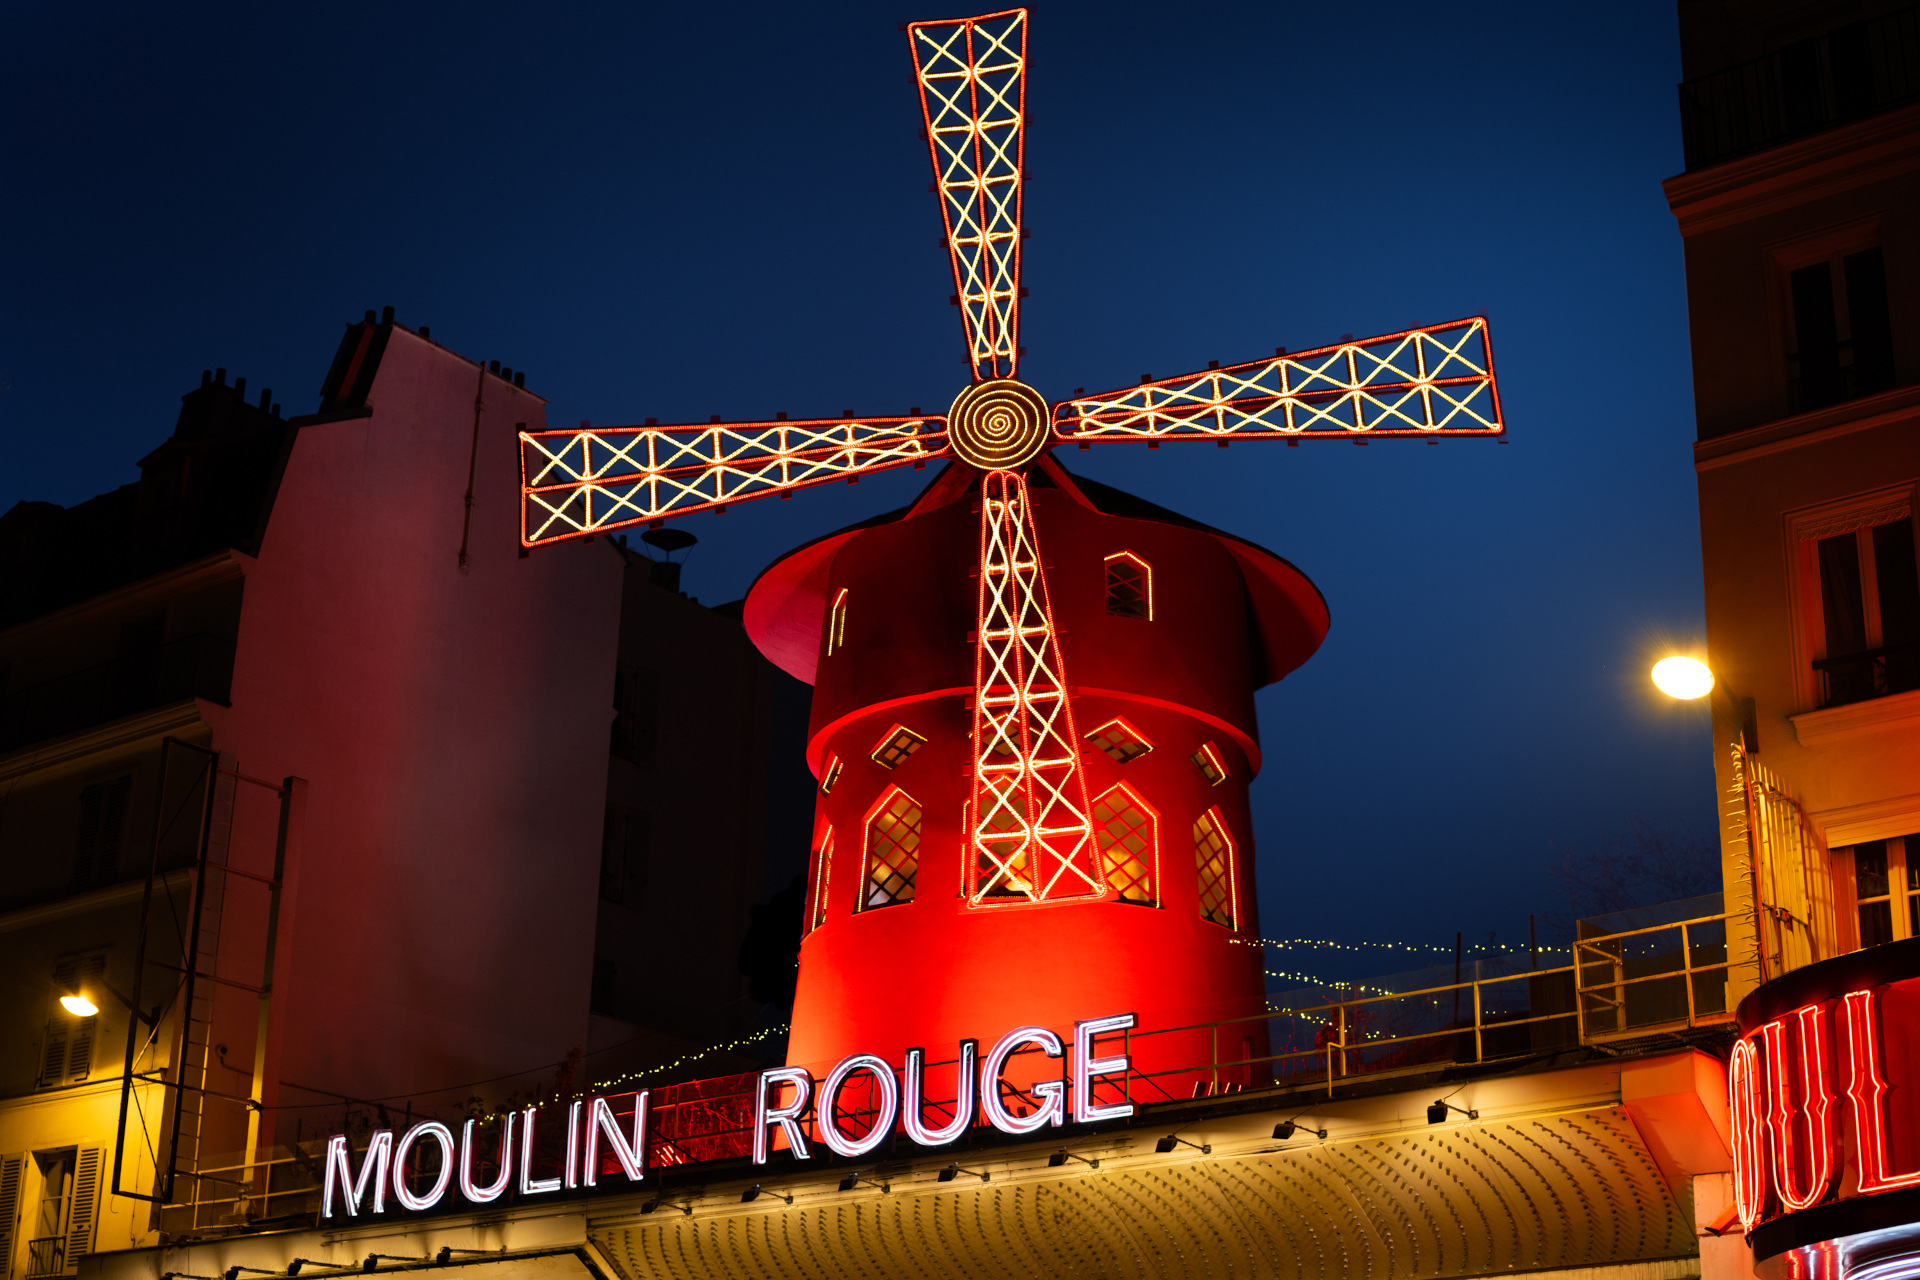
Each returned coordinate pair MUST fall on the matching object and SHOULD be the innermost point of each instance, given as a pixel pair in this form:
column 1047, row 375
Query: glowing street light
column 1683, row 678
column 79, row 1006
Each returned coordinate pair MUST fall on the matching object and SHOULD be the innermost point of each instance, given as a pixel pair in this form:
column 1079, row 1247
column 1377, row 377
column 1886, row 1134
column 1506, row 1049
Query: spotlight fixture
column 954, row 1170
column 233, row 1273
column 1437, row 1113
column 445, row 1256
column 1063, row 1155
column 652, row 1205
column 755, row 1191
column 293, row 1267
column 1285, row 1130
column 1173, row 1140
column 855, row 1178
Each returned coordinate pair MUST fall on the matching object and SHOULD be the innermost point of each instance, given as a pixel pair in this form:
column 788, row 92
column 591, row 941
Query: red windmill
column 998, row 841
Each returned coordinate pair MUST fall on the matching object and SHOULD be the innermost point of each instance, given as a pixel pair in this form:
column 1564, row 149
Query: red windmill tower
column 1033, row 722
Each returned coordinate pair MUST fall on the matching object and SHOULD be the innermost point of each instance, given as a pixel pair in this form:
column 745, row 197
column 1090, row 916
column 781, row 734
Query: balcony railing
column 1847, row 74
column 46, row 1256
column 1871, row 673
column 196, row 666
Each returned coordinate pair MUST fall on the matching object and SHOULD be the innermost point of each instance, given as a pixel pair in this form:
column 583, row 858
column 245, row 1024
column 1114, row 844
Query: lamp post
column 1685, row 679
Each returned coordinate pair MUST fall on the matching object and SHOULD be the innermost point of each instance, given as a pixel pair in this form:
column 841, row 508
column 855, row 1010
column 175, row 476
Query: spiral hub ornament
column 999, row 425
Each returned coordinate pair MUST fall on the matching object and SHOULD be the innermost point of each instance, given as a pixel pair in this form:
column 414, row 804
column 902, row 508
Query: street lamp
column 79, row 1006
column 1685, row 679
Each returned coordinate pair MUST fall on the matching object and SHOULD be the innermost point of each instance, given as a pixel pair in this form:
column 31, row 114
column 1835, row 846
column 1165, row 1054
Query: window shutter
column 53, row 1055
column 11, row 1170
column 80, row 1042
column 86, row 1199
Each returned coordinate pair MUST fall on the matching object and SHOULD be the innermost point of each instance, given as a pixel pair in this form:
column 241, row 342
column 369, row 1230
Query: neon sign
column 606, row 1136
column 1814, row 1116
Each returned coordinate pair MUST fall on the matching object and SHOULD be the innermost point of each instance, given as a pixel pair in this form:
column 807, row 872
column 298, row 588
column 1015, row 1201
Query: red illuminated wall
column 452, row 726
column 1227, row 617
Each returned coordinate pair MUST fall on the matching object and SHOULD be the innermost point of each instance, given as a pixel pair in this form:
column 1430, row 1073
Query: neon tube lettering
column 1052, row 1108
column 1749, row 1135
column 468, row 1187
column 402, row 1149
column 827, row 1123
column 1867, row 1090
column 572, row 1171
column 373, row 1170
column 1813, row 1110
column 1086, row 1067
column 786, row 1116
column 530, row 1185
column 913, row 1106
column 632, row 1156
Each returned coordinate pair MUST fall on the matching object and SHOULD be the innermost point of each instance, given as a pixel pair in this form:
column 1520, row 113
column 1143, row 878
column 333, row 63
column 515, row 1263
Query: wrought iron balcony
column 46, row 1256
column 1871, row 673
column 1847, row 74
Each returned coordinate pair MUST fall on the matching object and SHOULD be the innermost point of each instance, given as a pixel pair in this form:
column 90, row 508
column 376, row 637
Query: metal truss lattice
column 972, row 74
column 1421, row 382
column 1028, row 803
column 576, row 483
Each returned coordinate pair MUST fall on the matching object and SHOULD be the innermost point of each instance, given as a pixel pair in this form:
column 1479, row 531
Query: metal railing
column 1871, row 673
column 1847, row 74
column 46, row 1256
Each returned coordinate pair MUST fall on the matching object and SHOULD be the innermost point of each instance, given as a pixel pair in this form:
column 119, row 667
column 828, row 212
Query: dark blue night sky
column 681, row 211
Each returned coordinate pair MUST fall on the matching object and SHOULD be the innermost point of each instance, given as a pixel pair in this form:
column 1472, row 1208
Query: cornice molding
column 86, row 743
column 1900, row 405
column 1876, row 715
column 221, row 566
column 81, row 904
column 1793, row 173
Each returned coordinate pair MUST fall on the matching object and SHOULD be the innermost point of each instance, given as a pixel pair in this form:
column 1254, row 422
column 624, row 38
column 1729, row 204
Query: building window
column 822, row 878
column 626, row 852
column 893, row 851
column 1129, row 586
column 1129, row 843
column 837, row 623
column 103, row 821
column 1869, row 612
column 1213, row 861
column 829, row 775
column 66, row 1054
column 600, row 994
column 1886, row 889
column 1120, row 740
column 1207, row 761
column 1842, row 339
column 636, row 713
column 899, row 743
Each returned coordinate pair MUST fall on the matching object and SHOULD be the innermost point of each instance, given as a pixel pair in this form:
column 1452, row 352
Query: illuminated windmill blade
column 1027, row 807
column 972, row 74
column 1423, row 382
column 577, row 483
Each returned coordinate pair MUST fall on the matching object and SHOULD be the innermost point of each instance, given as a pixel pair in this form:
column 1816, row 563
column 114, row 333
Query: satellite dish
column 668, row 540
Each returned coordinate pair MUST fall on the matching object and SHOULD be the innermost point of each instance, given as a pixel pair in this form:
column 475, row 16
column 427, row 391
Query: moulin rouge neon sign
column 603, row 1130
column 1814, row 1114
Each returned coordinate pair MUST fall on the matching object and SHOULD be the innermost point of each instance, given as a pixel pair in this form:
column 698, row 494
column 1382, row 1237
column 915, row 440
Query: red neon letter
column 1868, row 1092
column 1749, row 1135
column 1812, row 1113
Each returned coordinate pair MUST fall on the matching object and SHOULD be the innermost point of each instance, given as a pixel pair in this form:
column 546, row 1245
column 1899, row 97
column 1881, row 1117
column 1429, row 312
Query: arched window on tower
column 1129, row 586
column 822, row 878
column 893, row 852
column 1213, row 863
column 1129, row 843
column 837, row 623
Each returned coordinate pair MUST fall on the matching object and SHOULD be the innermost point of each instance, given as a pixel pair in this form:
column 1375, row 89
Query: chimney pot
column 369, row 319
column 426, row 332
column 386, row 315
column 519, row 377
column 266, row 396
column 493, row 366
